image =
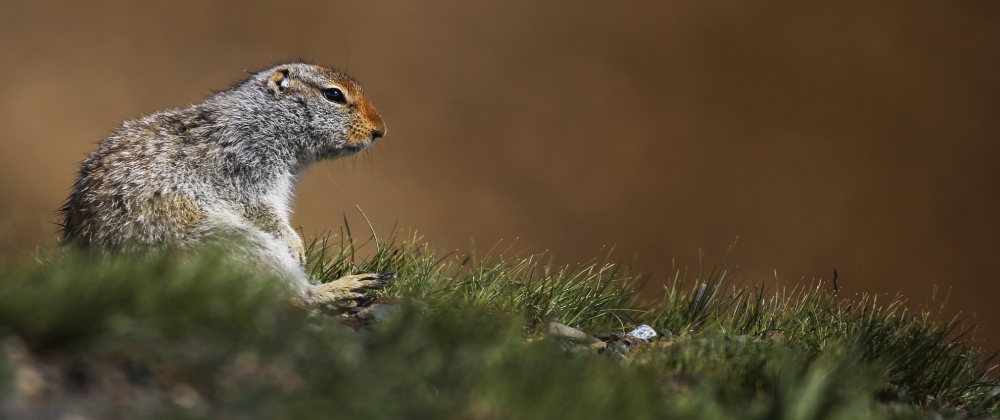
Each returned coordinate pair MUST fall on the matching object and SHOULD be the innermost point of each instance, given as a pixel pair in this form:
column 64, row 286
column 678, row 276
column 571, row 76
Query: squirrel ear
column 280, row 80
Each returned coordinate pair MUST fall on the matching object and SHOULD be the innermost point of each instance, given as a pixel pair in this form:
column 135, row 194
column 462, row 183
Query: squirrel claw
column 380, row 281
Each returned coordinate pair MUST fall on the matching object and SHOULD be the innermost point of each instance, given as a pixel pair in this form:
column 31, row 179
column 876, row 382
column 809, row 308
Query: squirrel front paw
column 349, row 288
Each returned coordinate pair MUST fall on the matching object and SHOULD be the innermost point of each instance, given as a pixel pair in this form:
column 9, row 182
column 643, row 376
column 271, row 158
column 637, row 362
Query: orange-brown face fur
column 339, row 119
column 365, row 119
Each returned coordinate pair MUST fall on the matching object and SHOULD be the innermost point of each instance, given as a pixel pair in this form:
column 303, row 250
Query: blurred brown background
column 859, row 135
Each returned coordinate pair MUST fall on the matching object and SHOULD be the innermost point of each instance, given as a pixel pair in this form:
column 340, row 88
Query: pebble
column 565, row 331
column 643, row 332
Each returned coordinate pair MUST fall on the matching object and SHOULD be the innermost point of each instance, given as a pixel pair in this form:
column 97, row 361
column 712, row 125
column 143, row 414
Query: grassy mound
column 169, row 337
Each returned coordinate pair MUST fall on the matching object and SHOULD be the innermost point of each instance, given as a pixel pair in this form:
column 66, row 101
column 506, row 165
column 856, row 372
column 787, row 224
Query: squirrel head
column 322, row 112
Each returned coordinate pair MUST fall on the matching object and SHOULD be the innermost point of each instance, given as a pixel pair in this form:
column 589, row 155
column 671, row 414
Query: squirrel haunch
column 225, row 167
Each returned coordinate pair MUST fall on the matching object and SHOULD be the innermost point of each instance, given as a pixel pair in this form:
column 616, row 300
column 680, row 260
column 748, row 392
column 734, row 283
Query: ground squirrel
column 226, row 167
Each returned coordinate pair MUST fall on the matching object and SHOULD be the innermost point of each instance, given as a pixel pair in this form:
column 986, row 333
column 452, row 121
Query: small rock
column 643, row 332
column 377, row 312
column 560, row 330
column 665, row 334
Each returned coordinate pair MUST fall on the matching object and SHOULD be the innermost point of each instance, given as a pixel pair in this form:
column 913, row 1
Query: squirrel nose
column 379, row 131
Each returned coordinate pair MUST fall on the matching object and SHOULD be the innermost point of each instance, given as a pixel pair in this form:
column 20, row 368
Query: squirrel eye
column 335, row 95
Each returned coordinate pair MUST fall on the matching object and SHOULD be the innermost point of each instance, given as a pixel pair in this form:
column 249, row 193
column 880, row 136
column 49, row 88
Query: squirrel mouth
column 357, row 146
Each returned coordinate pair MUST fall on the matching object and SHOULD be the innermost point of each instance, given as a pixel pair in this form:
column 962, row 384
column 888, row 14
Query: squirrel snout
column 379, row 131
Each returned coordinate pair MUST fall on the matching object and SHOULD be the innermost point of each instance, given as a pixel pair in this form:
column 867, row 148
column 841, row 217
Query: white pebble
column 643, row 331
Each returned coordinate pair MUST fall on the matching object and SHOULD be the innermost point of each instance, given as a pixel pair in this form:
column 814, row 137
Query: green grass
column 466, row 342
